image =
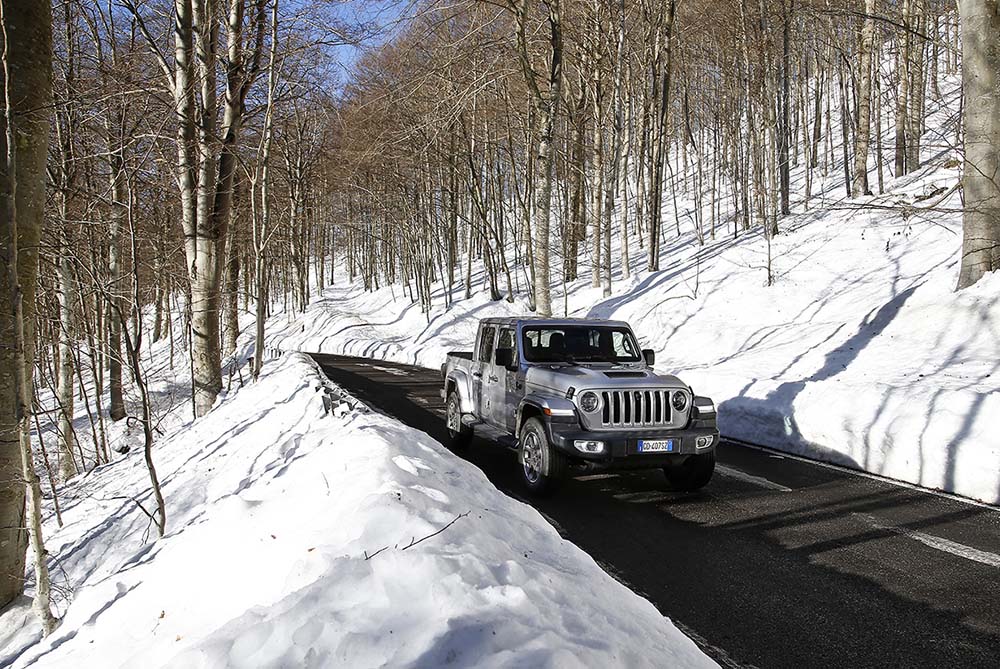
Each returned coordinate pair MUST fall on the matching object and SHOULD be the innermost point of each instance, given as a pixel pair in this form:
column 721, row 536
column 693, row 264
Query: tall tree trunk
column 981, row 83
column 117, row 217
column 597, row 196
column 915, row 70
column 660, row 75
column 614, row 167
column 27, row 90
column 902, row 88
column 864, row 102
column 231, row 330
column 207, row 161
column 877, row 85
column 67, row 336
column 818, row 114
column 546, row 106
column 784, row 131
column 261, row 232
column 577, row 227
column 845, row 115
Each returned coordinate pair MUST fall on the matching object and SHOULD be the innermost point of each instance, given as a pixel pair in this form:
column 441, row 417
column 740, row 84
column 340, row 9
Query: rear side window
column 486, row 344
column 507, row 340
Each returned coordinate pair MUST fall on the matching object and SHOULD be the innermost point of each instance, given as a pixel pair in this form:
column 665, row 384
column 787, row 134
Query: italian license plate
column 656, row 445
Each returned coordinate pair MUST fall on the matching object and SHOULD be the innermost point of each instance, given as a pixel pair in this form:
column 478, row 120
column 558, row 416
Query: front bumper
column 621, row 448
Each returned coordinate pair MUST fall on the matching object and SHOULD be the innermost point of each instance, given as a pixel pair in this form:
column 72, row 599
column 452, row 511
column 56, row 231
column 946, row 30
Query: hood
column 559, row 378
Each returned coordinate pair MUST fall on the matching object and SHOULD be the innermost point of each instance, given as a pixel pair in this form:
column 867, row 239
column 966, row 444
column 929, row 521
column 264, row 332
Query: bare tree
column 863, row 133
column 207, row 154
column 546, row 105
column 27, row 51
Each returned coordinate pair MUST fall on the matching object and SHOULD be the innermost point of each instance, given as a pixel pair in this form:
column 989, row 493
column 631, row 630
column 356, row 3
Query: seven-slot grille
column 635, row 408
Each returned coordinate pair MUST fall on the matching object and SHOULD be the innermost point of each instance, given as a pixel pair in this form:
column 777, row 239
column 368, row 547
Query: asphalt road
column 779, row 562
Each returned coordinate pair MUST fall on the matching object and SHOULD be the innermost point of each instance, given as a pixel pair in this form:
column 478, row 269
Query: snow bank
column 861, row 353
column 298, row 539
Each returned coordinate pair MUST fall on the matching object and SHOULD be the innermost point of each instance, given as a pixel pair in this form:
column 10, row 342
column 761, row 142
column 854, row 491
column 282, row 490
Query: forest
column 205, row 164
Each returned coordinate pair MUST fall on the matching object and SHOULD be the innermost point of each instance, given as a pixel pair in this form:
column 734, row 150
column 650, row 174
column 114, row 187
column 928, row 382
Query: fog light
column 704, row 442
column 585, row 446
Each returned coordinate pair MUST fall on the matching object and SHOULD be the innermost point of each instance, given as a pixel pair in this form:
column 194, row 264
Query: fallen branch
column 369, row 557
column 414, row 541
column 434, row 534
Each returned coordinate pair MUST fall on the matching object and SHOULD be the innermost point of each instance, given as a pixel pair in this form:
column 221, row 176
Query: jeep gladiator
column 577, row 394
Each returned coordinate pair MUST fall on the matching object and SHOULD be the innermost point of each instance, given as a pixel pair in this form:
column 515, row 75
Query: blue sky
column 382, row 17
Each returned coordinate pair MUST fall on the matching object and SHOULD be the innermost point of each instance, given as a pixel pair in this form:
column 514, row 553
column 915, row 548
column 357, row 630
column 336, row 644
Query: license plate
column 656, row 446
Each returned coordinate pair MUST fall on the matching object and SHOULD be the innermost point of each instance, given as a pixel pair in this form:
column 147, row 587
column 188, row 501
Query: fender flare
column 547, row 407
column 460, row 379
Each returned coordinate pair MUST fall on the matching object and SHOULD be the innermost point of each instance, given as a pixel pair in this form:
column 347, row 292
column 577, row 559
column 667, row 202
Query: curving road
column 779, row 562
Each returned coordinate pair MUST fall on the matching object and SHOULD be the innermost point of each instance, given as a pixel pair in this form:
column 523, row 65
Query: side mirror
column 504, row 357
column 649, row 355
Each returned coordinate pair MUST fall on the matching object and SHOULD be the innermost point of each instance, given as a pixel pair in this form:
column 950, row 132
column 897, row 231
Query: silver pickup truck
column 577, row 394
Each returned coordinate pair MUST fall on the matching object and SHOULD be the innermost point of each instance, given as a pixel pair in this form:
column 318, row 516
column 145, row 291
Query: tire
column 692, row 474
column 459, row 435
column 543, row 468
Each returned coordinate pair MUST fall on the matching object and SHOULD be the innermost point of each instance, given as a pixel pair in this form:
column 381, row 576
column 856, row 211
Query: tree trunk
column 206, row 164
column 597, row 196
column 67, row 336
column 981, row 83
column 117, row 409
column 784, row 133
column 232, row 329
column 660, row 75
column 915, row 70
column 864, row 103
column 902, row 89
column 546, row 106
column 27, row 54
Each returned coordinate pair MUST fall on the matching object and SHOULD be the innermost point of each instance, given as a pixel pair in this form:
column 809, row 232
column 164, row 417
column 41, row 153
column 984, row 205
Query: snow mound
column 302, row 539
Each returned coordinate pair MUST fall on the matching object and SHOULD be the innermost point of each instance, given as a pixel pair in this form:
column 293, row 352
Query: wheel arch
column 528, row 409
column 458, row 381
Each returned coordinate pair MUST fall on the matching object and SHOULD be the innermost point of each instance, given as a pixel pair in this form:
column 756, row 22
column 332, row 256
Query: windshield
column 580, row 343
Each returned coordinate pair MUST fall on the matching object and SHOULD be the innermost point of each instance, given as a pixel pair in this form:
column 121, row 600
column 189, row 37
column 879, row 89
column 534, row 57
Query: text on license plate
column 656, row 446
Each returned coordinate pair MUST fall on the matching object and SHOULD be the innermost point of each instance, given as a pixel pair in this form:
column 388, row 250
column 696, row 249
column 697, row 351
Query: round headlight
column 679, row 400
column 589, row 402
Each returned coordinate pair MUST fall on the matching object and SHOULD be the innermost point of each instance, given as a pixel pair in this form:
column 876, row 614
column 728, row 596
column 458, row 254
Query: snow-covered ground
column 297, row 538
column 861, row 353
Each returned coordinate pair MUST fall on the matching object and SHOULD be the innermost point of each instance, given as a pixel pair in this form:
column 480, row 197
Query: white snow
column 273, row 508
column 861, row 353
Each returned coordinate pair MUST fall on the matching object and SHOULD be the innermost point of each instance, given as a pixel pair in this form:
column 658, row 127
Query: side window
column 486, row 344
column 507, row 340
column 623, row 346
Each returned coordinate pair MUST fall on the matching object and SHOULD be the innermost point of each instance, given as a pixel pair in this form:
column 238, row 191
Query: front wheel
column 542, row 467
column 692, row 474
column 459, row 433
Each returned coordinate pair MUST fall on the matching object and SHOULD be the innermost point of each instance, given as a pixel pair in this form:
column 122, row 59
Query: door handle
column 478, row 375
column 494, row 379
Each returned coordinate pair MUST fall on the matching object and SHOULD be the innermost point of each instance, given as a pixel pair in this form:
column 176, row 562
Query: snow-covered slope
column 861, row 353
column 299, row 539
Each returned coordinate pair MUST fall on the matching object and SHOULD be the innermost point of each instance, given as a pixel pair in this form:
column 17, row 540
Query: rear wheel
column 542, row 467
column 459, row 433
column 692, row 474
